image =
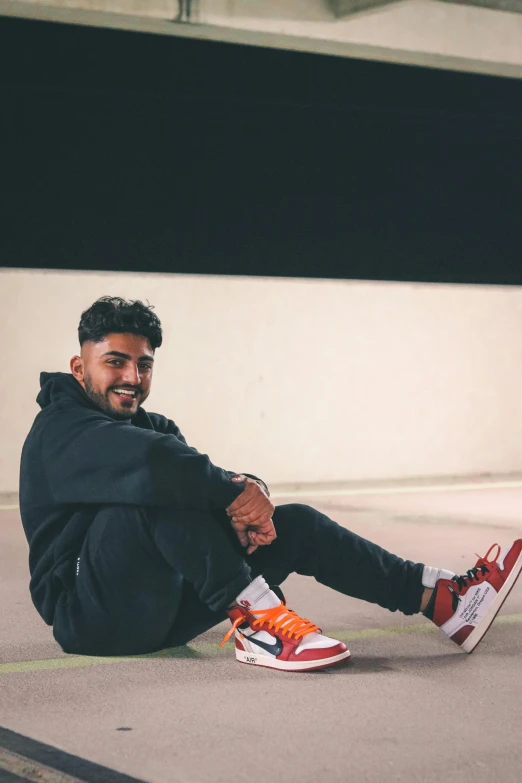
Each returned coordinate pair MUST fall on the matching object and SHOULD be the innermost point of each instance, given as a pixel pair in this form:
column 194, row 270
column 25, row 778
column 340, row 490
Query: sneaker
column 464, row 607
column 279, row 639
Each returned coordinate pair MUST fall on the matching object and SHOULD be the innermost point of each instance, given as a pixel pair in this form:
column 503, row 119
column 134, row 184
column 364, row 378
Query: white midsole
column 476, row 635
column 266, row 660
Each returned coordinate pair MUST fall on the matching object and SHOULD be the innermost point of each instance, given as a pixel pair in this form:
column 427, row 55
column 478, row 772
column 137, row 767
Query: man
column 138, row 542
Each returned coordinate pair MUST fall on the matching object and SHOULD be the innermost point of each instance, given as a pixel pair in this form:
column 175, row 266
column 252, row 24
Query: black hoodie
column 77, row 458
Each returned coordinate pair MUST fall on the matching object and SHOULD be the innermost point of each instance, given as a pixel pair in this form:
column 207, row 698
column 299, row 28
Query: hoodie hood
column 56, row 385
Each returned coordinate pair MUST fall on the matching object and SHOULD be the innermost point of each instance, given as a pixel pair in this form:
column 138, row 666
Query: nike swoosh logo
column 275, row 649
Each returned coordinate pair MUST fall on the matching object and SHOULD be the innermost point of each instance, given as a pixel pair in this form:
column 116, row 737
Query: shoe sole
column 253, row 659
column 480, row 631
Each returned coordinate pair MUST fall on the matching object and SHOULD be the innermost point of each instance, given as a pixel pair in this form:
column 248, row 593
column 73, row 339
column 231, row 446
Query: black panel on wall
column 127, row 151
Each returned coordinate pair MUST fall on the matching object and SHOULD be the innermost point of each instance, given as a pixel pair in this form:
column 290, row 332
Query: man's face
column 116, row 373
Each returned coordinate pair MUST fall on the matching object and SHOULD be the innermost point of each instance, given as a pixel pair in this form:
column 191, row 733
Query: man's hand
column 251, row 515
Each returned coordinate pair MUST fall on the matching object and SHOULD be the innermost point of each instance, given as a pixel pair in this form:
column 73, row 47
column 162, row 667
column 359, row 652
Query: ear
column 77, row 369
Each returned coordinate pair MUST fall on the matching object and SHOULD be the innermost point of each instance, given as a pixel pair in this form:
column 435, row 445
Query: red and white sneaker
column 464, row 607
column 279, row 639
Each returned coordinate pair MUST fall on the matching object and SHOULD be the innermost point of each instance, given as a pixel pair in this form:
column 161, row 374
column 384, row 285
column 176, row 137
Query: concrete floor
column 408, row 706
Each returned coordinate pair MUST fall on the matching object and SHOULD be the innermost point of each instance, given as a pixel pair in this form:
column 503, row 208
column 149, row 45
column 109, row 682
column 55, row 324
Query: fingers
column 256, row 516
column 243, row 537
column 263, row 538
column 246, row 540
column 262, row 524
column 247, row 508
column 252, row 539
column 253, row 544
column 255, row 504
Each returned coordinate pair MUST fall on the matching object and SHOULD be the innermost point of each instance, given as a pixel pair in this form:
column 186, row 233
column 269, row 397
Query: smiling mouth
column 126, row 395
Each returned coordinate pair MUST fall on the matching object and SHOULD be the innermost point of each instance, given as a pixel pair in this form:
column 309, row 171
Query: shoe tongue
column 266, row 600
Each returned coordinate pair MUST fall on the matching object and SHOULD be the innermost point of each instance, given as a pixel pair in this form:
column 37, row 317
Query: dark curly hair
column 112, row 314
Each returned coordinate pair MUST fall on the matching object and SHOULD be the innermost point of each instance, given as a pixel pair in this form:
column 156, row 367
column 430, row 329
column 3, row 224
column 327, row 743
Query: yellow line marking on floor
column 9, row 508
column 206, row 649
column 27, row 769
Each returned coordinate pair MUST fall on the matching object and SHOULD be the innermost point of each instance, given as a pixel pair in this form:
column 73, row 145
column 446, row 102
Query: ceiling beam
column 348, row 7
column 514, row 6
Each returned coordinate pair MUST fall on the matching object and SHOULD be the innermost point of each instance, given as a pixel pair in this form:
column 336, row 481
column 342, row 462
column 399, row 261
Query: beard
column 102, row 401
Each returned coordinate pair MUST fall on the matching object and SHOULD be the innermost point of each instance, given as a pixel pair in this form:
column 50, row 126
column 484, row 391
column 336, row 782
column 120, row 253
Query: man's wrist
column 263, row 486
column 257, row 480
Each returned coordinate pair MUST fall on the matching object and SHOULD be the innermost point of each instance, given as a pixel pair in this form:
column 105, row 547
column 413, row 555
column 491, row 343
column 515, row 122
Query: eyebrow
column 127, row 356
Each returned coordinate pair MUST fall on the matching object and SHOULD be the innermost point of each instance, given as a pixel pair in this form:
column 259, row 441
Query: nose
column 131, row 375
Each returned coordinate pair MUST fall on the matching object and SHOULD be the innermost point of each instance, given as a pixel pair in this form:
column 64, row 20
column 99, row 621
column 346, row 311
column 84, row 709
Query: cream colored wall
column 295, row 380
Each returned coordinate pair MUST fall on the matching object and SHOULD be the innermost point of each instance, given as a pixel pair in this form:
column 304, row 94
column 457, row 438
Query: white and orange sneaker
column 464, row 607
column 276, row 637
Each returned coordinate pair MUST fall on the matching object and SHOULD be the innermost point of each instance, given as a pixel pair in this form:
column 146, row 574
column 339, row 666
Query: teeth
column 125, row 391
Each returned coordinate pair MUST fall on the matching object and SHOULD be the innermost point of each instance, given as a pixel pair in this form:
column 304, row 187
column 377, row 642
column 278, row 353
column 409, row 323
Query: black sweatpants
column 150, row 578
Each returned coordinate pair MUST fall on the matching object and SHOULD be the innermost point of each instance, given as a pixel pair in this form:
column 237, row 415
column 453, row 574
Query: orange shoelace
column 482, row 566
column 484, row 560
column 280, row 619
